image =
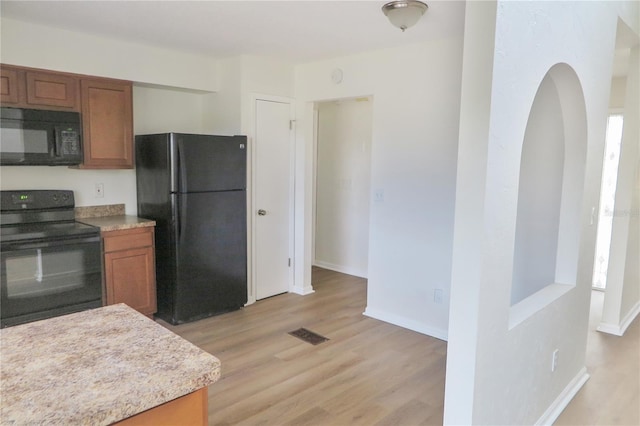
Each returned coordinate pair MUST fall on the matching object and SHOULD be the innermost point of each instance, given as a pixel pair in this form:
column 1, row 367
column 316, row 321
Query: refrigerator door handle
column 181, row 221
column 176, row 224
column 174, row 162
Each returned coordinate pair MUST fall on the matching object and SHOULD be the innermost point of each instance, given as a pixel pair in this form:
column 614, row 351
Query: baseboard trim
column 302, row 291
column 555, row 409
column 620, row 329
column 406, row 323
column 631, row 315
column 342, row 269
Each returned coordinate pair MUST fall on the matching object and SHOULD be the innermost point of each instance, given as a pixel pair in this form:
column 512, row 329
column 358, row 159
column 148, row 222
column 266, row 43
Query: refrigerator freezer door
column 153, row 175
column 210, row 163
column 211, row 254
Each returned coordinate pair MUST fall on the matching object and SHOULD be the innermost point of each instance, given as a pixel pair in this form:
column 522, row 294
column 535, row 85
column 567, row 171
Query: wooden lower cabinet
column 129, row 263
column 189, row 410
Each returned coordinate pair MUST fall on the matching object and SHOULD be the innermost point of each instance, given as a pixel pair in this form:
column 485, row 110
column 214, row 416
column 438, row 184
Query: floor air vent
column 308, row 336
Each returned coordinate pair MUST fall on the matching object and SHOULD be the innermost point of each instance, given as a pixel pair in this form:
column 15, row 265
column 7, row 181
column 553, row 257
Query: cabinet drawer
column 127, row 239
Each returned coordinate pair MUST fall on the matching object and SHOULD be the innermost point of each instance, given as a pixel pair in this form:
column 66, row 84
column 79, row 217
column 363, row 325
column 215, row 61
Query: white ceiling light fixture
column 404, row 13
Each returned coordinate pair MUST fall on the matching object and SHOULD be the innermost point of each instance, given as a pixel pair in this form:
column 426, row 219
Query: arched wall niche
column 550, row 190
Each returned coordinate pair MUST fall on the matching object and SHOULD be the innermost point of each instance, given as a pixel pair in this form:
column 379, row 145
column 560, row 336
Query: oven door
column 49, row 278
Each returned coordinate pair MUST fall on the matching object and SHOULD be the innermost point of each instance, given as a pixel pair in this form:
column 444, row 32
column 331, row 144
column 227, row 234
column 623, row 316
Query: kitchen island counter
column 96, row 367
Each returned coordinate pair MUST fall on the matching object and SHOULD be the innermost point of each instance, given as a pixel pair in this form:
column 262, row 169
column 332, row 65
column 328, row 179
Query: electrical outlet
column 378, row 195
column 437, row 295
column 99, row 190
column 554, row 360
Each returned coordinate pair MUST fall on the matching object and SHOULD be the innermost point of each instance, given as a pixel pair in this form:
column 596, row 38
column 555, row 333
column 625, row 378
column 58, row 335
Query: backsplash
column 99, row 211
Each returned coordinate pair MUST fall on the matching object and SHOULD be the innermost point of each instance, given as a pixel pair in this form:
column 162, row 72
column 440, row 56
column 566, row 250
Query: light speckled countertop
column 110, row 217
column 116, row 223
column 95, row 367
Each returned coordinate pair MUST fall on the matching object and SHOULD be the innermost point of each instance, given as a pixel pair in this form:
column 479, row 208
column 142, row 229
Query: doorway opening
column 619, row 271
column 342, row 185
column 611, row 161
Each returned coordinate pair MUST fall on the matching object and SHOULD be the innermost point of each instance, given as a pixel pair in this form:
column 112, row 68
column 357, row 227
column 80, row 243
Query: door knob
column 262, row 212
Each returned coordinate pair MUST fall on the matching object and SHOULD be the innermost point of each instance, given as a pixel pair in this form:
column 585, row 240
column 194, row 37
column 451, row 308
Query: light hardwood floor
column 612, row 394
column 368, row 373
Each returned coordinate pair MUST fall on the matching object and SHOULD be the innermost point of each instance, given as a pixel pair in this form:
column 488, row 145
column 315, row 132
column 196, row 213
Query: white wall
column 163, row 109
column 618, row 93
column 230, row 111
column 498, row 372
column 39, row 46
column 262, row 76
column 414, row 146
column 222, row 109
column 119, row 186
column 343, row 185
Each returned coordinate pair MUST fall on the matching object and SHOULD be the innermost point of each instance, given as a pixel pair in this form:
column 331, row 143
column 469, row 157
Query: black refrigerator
column 194, row 187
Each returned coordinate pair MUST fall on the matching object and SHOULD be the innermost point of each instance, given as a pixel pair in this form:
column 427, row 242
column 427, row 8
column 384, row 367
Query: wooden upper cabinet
column 106, row 106
column 10, row 85
column 107, row 124
column 39, row 89
column 52, row 89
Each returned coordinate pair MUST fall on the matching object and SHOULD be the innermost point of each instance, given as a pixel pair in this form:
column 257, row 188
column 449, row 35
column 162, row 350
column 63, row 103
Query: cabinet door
column 130, row 279
column 9, row 86
column 188, row 410
column 107, row 123
column 51, row 89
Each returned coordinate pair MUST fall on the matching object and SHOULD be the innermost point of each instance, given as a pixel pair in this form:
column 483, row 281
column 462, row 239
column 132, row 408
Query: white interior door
column 273, row 186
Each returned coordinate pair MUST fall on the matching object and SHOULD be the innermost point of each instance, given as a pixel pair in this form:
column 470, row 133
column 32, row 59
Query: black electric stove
column 50, row 264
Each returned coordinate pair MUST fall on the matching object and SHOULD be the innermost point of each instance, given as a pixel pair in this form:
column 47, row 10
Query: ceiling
column 297, row 31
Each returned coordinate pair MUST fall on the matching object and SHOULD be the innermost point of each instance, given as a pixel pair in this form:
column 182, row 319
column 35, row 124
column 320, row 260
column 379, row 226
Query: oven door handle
column 26, row 245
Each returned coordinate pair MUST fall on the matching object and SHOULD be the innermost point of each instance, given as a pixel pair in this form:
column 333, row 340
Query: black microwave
column 32, row 137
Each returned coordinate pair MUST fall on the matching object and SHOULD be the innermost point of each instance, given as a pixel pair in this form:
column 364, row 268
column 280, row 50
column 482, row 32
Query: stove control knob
column 55, row 198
